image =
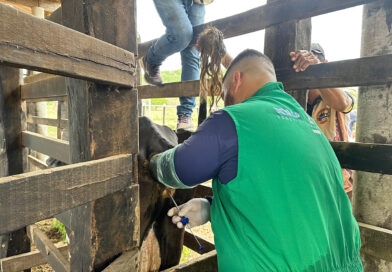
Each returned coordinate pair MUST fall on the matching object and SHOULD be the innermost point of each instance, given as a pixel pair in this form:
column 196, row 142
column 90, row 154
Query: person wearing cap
column 328, row 107
column 278, row 198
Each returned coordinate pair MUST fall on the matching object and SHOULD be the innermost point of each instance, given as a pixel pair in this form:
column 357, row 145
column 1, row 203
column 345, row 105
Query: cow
column 161, row 241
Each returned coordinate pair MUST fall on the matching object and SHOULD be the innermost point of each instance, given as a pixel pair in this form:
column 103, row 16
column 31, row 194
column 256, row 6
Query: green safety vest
column 286, row 210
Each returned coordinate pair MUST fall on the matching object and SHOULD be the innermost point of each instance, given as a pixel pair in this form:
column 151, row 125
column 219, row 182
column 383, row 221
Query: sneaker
column 184, row 123
column 151, row 73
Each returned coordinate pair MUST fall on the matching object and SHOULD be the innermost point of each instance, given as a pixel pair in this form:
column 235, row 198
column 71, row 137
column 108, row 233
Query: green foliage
column 60, row 228
column 159, row 101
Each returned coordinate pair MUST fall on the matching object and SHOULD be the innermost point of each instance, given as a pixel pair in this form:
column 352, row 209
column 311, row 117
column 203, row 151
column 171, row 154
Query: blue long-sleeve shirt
column 212, row 151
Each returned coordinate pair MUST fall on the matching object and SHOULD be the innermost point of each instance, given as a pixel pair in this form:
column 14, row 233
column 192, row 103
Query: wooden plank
column 375, row 158
column 28, row 260
column 286, row 37
column 13, row 155
column 52, row 87
column 36, row 44
column 127, row 262
column 190, row 242
column 207, row 263
column 47, row 121
column 52, row 147
column 95, row 113
column 268, row 15
column 48, row 250
column 376, row 242
column 36, row 77
column 37, row 163
column 174, row 89
column 355, row 72
column 34, row 196
column 49, row 5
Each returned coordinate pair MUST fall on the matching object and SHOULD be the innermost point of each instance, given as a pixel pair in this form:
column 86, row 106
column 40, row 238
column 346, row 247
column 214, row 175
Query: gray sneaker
column 152, row 73
column 184, row 123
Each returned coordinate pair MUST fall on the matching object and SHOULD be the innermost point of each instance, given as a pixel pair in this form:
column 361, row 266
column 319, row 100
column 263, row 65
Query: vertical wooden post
column 286, row 37
column 12, row 154
column 372, row 192
column 103, row 122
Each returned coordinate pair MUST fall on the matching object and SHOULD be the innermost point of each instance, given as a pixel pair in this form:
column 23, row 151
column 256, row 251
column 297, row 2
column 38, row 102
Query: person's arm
column 226, row 60
column 201, row 157
column 336, row 98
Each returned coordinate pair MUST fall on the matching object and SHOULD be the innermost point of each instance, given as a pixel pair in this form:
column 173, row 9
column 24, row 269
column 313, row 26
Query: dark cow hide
column 155, row 202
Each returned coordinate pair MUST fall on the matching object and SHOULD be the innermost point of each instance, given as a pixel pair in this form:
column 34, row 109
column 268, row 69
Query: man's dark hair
column 244, row 54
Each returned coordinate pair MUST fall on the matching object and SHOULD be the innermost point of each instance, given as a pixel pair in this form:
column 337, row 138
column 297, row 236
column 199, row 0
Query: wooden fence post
column 12, row 154
column 103, row 122
column 372, row 192
column 286, row 37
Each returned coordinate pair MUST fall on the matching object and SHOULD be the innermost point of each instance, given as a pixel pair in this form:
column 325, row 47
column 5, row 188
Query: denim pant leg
column 190, row 60
column 179, row 30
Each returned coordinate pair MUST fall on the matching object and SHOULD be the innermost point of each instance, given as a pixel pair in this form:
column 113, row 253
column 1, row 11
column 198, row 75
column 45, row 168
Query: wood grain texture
column 52, row 147
column 30, row 197
column 28, row 260
column 376, row 241
column 47, row 121
column 50, row 5
column 206, row 263
column 127, row 262
column 59, row 50
column 268, row 15
column 175, row 89
column 48, row 250
column 51, row 87
column 286, row 37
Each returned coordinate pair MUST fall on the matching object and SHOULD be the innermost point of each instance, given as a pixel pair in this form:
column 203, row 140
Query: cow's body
column 156, row 228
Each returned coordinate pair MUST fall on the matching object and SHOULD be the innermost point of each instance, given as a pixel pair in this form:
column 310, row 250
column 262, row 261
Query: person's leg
column 178, row 31
column 190, row 67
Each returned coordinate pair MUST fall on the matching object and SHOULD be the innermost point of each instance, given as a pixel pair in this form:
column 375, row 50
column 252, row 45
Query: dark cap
column 316, row 48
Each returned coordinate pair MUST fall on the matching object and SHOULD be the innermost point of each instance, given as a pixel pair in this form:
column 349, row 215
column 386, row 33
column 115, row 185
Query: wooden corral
column 92, row 61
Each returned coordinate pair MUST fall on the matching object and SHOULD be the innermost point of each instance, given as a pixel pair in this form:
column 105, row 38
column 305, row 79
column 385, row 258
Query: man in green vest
column 279, row 202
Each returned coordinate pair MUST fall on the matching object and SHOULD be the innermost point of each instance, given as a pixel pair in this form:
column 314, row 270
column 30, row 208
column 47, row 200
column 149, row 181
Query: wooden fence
column 97, row 75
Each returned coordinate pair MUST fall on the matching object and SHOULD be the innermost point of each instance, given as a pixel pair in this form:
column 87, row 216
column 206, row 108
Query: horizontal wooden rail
column 174, row 89
column 49, row 88
column 47, row 121
column 348, row 73
column 37, row 163
column 52, row 147
column 28, row 260
column 36, row 44
column 34, row 196
column 376, row 242
column 49, row 251
column 36, row 77
column 268, row 15
column 207, row 263
column 190, row 242
column 375, row 158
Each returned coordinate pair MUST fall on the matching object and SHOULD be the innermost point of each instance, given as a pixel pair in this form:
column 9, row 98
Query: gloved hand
column 196, row 209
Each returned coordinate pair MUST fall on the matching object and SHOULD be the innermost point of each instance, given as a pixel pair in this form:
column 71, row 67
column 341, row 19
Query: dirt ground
column 54, row 236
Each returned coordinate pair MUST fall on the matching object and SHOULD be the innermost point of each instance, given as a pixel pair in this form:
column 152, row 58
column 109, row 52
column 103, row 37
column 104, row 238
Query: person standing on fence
column 279, row 202
column 179, row 18
column 328, row 107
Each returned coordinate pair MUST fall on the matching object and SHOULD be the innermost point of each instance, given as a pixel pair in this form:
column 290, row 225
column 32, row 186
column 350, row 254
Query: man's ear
column 325, row 61
column 237, row 80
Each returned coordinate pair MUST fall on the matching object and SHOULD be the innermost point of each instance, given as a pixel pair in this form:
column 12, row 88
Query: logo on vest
column 287, row 114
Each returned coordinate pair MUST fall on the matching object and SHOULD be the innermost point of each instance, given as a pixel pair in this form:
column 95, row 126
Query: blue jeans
column 179, row 17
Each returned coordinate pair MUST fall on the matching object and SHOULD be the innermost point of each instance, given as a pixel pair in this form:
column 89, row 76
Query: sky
column 339, row 33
